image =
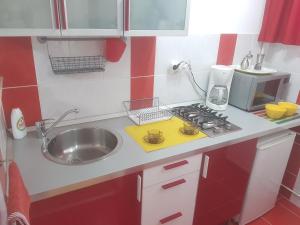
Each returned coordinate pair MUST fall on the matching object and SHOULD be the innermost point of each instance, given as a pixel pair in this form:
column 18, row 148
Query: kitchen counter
column 45, row 178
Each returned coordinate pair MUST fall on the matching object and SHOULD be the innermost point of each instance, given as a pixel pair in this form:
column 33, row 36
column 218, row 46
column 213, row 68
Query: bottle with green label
column 18, row 124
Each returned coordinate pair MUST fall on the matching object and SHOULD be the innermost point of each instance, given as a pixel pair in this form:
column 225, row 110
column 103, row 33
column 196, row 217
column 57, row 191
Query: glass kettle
column 218, row 95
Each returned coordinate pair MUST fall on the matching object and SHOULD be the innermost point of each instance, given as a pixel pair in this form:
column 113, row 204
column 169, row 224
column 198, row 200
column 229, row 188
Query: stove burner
column 209, row 121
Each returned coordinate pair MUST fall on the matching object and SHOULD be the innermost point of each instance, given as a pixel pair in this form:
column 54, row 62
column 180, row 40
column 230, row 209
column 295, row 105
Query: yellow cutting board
column 170, row 130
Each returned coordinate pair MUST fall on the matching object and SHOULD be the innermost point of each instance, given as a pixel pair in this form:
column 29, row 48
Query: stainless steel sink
column 81, row 146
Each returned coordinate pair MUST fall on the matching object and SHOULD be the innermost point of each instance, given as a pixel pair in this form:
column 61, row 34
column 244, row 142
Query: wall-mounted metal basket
column 77, row 64
column 145, row 111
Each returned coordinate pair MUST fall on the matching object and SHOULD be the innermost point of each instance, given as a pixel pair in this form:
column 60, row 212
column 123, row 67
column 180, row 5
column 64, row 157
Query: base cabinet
column 223, row 183
column 109, row 203
column 169, row 192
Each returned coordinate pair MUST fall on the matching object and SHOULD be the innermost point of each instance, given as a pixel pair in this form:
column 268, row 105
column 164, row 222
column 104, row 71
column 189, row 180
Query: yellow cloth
column 170, row 130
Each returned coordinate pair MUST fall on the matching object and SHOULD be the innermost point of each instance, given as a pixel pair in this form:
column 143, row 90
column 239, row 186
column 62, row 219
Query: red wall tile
column 142, row 67
column 142, row 88
column 16, row 62
column 226, row 49
column 26, row 99
column 142, row 56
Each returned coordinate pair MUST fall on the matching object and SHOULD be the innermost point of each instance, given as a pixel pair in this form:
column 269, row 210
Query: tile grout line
column 286, row 208
column 265, row 220
column 25, row 86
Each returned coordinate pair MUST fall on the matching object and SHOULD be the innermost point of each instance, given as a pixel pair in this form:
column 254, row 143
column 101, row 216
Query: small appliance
column 219, row 87
column 252, row 92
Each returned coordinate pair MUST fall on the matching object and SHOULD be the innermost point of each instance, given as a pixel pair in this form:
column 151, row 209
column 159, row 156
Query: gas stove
column 210, row 122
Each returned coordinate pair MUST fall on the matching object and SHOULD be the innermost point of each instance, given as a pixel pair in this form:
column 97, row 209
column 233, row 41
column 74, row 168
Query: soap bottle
column 18, row 124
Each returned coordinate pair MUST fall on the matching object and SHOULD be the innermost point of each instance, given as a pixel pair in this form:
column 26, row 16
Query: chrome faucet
column 41, row 126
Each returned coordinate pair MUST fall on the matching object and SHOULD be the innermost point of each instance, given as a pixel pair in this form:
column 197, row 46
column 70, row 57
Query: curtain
column 281, row 22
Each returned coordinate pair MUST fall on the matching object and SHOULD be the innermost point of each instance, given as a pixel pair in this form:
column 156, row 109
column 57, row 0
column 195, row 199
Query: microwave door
column 265, row 92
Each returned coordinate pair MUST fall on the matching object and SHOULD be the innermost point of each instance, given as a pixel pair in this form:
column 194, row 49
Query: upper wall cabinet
column 29, row 18
column 92, row 17
column 87, row 18
column 156, row 17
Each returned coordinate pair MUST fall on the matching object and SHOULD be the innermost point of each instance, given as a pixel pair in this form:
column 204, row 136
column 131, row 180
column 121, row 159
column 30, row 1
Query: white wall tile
column 95, row 93
column 294, row 87
column 44, row 71
column 201, row 51
column 92, row 97
column 283, row 57
column 230, row 16
column 178, row 87
column 244, row 44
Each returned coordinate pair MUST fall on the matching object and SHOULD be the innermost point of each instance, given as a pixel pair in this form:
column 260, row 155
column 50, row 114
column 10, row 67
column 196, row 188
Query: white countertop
column 44, row 178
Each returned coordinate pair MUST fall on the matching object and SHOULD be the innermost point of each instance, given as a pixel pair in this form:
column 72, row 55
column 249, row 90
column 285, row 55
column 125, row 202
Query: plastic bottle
column 18, row 124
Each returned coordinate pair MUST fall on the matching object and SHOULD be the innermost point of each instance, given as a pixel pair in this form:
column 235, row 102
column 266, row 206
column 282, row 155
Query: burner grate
column 209, row 121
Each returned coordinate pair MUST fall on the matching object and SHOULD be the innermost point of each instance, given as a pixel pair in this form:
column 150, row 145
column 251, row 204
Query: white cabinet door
column 29, row 18
column 170, row 202
column 92, row 17
column 157, row 17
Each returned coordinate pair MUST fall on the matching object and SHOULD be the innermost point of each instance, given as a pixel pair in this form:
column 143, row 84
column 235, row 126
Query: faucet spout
column 45, row 130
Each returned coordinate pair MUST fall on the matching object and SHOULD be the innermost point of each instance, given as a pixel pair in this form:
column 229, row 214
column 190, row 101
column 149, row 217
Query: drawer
column 171, row 202
column 171, row 170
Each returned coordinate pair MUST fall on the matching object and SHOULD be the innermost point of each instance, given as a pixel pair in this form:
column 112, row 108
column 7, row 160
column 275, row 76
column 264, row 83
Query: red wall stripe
column 25, row 98
column 142, row 87
column 142, row 56
column 16, row 62
column 142, row 67
column 17, row 69
column 226, row 49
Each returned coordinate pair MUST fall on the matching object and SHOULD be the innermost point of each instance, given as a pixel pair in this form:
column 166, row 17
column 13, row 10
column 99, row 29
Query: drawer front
column 171, row 202
column 171, row 170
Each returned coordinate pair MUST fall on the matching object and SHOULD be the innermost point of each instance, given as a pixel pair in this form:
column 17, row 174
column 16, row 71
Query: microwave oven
column 251, row 92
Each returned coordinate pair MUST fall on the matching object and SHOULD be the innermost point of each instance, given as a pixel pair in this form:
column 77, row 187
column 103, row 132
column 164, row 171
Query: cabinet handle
column 205, row 166
column 173, row 184
column 177, row 164
column 139, row 188
column 170, row 218
column 64, row 14
column 126, row 14
column 56, row 13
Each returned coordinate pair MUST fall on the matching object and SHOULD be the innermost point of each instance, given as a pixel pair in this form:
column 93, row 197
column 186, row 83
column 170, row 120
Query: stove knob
column 217, row 130
column 228, row 126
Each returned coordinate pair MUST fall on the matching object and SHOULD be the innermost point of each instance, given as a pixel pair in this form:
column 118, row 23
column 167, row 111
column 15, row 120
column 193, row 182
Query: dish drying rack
column 145, row 111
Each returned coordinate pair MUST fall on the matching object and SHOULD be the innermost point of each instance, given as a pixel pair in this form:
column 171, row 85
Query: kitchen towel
column 18, row 197
column 114, row 50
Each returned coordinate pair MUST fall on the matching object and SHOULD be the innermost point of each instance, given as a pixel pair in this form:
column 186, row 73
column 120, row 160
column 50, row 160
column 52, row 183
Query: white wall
column 285, row 58
column 226, row 16
column 95, row 94
column 208, row 19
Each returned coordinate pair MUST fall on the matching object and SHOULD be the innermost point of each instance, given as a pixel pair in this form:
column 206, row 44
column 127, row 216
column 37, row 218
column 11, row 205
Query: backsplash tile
column 16, row 62
column 25, row 98
column 200, row 51
column 142, row 56
column 226, row 49
column 93, row 97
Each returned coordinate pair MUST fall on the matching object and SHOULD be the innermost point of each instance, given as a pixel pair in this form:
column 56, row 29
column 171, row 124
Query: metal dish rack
column 77, row 64
column 145, row 111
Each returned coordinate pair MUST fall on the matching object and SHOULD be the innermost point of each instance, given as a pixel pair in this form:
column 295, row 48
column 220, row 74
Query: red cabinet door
column 109, row 203
column 221, row 193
